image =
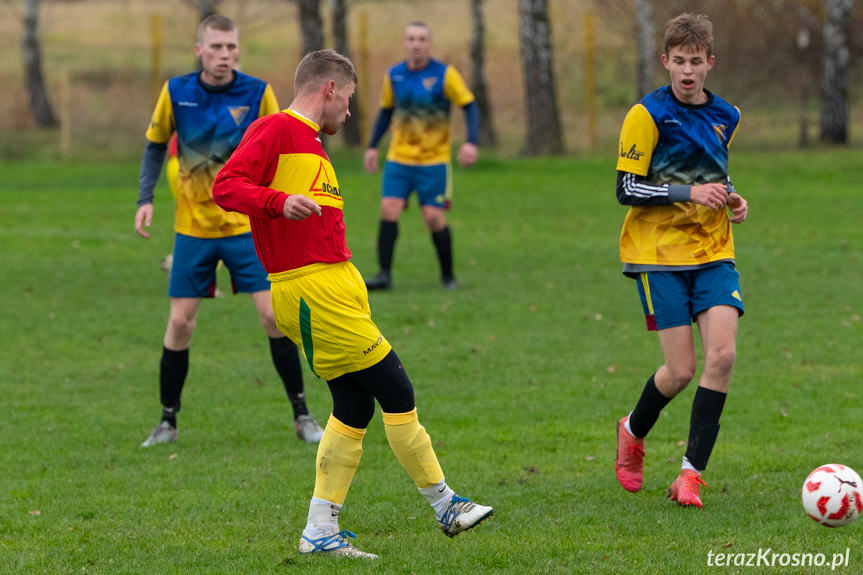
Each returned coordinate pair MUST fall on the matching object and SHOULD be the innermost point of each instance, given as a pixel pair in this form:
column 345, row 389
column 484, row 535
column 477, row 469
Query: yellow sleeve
column 162, row 123
column 387, row 99
column 455, row 89
column 269, row 104
column 739, row 119
column 638, row 138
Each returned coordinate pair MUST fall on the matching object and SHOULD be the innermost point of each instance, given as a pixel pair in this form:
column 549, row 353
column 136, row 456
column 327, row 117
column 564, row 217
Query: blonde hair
column 215, row 22
column 695, row 30
column 323, row 65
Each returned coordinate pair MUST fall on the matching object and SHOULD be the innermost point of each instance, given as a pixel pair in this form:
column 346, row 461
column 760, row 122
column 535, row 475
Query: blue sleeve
column 471, row 120
column 381, row 126
column 151, row 167
column 633, row 190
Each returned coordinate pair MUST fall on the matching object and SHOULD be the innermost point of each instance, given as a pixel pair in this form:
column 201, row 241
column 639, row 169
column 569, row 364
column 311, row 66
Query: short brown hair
column 321, row 65
column 215, row 22
column 694, row 30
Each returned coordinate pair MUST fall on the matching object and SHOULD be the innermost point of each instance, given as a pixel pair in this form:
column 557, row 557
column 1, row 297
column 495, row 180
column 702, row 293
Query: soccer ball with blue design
column 833, row 495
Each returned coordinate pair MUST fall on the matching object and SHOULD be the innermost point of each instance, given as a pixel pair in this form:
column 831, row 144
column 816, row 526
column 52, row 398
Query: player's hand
column 299, row 207
column 370, row 161
column 714, row 196
column 738, row 206
column 144, row 217
column 467, row 155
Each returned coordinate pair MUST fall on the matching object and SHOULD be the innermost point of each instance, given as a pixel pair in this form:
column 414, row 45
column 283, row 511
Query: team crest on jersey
column 238, row 113
column 322, row 184
column 721, row 130
column 429, row 83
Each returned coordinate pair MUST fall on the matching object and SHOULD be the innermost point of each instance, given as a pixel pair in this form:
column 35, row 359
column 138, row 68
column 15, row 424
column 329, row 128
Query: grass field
column 519, row 375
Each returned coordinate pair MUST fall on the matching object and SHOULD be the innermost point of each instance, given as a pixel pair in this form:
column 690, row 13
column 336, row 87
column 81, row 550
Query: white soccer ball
column 833, row 495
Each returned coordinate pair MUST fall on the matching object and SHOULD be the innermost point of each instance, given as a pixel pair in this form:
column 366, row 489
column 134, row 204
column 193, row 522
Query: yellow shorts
column 324, row 309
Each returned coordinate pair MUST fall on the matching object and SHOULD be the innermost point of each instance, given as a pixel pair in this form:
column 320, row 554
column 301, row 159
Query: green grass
column 519, row 375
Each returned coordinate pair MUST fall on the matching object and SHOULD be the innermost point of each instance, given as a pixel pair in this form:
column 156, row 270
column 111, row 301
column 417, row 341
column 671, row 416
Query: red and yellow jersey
column 209, row 123
column 281, row 155
column 420, row 100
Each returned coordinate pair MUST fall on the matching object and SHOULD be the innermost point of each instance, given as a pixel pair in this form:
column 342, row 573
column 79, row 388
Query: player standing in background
column 677, row 243
column 210, row 110
column 416, row 99
column 282, row 178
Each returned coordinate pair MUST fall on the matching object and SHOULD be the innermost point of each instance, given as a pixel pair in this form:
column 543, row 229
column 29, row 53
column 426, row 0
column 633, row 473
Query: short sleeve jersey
column 420, row 100
column 209, row 122
column 669, row 142
column 282, row 155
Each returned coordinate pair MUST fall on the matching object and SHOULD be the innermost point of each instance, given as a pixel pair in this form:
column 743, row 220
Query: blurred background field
column 105, row 47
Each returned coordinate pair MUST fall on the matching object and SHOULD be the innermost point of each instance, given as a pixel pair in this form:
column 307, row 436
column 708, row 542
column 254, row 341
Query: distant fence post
column 65, row 114
column 590, row 79
column 363, row 61
column 156, row 54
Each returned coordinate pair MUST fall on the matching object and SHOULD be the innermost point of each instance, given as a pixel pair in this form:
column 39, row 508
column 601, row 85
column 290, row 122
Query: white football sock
column 323, row 519
column 687, row 465
column 438, row 496
column 626, row 425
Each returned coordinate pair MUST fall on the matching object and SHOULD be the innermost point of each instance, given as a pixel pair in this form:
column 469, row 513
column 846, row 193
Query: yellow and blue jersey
column 669, row 143
column 421, row 100
column 209, row 122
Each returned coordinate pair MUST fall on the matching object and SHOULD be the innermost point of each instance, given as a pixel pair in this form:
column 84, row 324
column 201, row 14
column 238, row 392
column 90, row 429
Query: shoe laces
column 456, row 507
column 691, row 481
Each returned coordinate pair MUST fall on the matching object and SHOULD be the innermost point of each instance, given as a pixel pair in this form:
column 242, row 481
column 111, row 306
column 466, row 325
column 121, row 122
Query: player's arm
column 158, row 133
column 240, row 184
column 382, row 124
column 458, row 93
column 737, row 204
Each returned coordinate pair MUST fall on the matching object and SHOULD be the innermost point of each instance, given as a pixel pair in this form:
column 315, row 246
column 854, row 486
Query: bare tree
column 31, row 47
column 645, row 33
column 339, row 10
column 543, row 120
column 205, row 8
column 478, row 86
column 834, row 71
column 311, row 25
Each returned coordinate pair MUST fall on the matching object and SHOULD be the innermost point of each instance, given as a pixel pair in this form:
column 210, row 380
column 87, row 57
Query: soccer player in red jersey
column 282, row 178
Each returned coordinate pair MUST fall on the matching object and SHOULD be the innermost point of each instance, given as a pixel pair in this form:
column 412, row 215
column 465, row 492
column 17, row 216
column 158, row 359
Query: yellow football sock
column 412, row 446
column 339, row 454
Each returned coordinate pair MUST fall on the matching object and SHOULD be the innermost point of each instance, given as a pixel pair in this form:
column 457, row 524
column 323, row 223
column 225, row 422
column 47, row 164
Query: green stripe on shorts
column 306, row 332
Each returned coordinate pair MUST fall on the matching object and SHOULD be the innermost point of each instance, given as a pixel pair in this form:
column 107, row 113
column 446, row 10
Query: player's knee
column 681, row 374
column 181, row 325
column 721, row 360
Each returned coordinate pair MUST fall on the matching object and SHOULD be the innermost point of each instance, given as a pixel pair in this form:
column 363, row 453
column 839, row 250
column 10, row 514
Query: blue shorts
column 673, row 298
column 193, row 273
column 431, row 183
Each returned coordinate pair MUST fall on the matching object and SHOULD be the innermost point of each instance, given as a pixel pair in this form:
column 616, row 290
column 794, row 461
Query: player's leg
column 434, row 189
column 338, row 457
column 388, row 382
column 665, row 300
column 718, row 304
column 249, row 276
column 286, row 359
column 192, row 277
column 395, row 188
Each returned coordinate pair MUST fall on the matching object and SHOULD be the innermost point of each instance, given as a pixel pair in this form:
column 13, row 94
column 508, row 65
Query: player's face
column 417, row 45
column 688, row 66
column 336, row 108
column 218, row 51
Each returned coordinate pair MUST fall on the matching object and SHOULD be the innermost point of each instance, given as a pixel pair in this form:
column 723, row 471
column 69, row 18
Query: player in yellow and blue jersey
column 209, row 111
column 416, row 99
column 672, row 172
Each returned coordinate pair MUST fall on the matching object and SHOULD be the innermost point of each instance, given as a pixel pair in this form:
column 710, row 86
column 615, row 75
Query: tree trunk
column 486, row 136
column 43, row 113
column 205, row 8
column 646, row 46
column 834, row 72
column 339, row 10
column 543, row 121
column 311, row 26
